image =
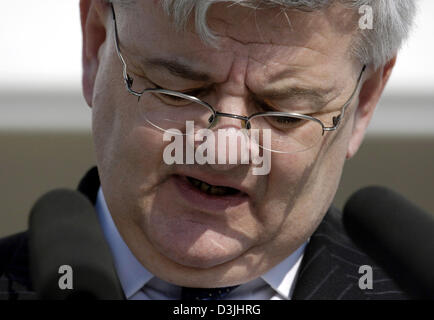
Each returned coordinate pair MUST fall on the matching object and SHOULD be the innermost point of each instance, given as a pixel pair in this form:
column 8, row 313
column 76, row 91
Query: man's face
column 176, row 231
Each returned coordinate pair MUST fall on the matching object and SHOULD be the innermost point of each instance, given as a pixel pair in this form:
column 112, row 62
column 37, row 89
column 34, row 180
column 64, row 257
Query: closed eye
column 196, row 92
column 285, row 123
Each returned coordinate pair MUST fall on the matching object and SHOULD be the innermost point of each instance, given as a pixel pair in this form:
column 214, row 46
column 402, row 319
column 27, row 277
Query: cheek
column 285, row 183
column 142, row 150
column 300, row 188
column 129, row 152
column 286, row 175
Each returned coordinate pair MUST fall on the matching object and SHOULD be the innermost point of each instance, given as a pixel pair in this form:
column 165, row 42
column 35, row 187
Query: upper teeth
column 213, row 190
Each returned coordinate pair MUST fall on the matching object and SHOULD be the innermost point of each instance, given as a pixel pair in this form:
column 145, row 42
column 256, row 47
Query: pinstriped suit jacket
column 329, row 270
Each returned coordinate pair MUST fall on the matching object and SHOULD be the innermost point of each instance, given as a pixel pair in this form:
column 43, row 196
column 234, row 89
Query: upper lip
column 220, row 180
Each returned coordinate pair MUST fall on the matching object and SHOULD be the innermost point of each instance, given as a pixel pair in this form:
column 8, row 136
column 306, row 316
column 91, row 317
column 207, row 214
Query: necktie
column 205, row 293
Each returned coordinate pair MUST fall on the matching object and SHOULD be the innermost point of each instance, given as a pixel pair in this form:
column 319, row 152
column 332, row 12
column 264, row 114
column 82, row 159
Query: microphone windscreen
column 64, row 231
column 395, row 233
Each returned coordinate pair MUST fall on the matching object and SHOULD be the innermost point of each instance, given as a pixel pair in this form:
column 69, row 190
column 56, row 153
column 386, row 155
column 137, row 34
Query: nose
column 231, row 140
column 231, row 145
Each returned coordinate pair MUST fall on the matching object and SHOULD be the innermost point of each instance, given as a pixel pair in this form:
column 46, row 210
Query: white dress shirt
column 139, row 284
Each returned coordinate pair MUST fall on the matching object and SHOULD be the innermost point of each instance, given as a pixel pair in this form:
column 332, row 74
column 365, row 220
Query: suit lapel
column 322, row 276
column 330, row 267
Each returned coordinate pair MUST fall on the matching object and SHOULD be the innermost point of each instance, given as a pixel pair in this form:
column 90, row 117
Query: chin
column 209, row 250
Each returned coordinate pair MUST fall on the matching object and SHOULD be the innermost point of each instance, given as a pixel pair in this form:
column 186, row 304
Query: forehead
column 273, row 41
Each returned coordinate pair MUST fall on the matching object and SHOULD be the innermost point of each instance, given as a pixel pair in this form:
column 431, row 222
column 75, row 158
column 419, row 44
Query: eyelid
column 191, row 92
column 267, row 107
column 156, row 86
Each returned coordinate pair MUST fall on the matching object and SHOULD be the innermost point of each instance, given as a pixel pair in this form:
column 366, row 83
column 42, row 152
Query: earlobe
column 92, row 15
column 368, row 99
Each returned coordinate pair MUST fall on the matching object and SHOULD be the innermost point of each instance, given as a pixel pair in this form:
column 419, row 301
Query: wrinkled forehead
column 279, row 25
column 268, row 36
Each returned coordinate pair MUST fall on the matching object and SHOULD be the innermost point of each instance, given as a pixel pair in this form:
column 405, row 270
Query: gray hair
column 392, row 21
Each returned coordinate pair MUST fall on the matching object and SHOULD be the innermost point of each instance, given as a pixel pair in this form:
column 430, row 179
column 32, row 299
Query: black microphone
column 397, row 234
column 69, row 258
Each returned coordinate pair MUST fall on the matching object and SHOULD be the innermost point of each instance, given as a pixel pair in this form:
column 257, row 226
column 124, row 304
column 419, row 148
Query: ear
column 92, row 14
column 368, row 99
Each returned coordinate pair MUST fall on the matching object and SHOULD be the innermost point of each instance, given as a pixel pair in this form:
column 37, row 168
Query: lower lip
column 203, row 201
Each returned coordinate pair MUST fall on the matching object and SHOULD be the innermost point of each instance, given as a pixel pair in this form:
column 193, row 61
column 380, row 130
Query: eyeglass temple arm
column 127, row 79
column 337, row 120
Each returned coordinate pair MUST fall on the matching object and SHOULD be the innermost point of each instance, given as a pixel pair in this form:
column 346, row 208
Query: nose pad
column 212, row 121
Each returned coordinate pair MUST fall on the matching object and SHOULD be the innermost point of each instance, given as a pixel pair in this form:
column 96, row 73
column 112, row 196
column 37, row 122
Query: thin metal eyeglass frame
column 212, row 120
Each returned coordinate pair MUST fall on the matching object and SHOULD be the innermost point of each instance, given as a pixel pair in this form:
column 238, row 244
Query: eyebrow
column 317, row 95
column 179, row 70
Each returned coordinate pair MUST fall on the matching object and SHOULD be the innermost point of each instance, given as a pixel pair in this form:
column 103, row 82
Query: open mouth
column 211, row 189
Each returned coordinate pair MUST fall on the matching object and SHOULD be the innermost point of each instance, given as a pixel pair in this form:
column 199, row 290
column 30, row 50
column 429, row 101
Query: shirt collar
column 133, row 275
column 283, row 276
